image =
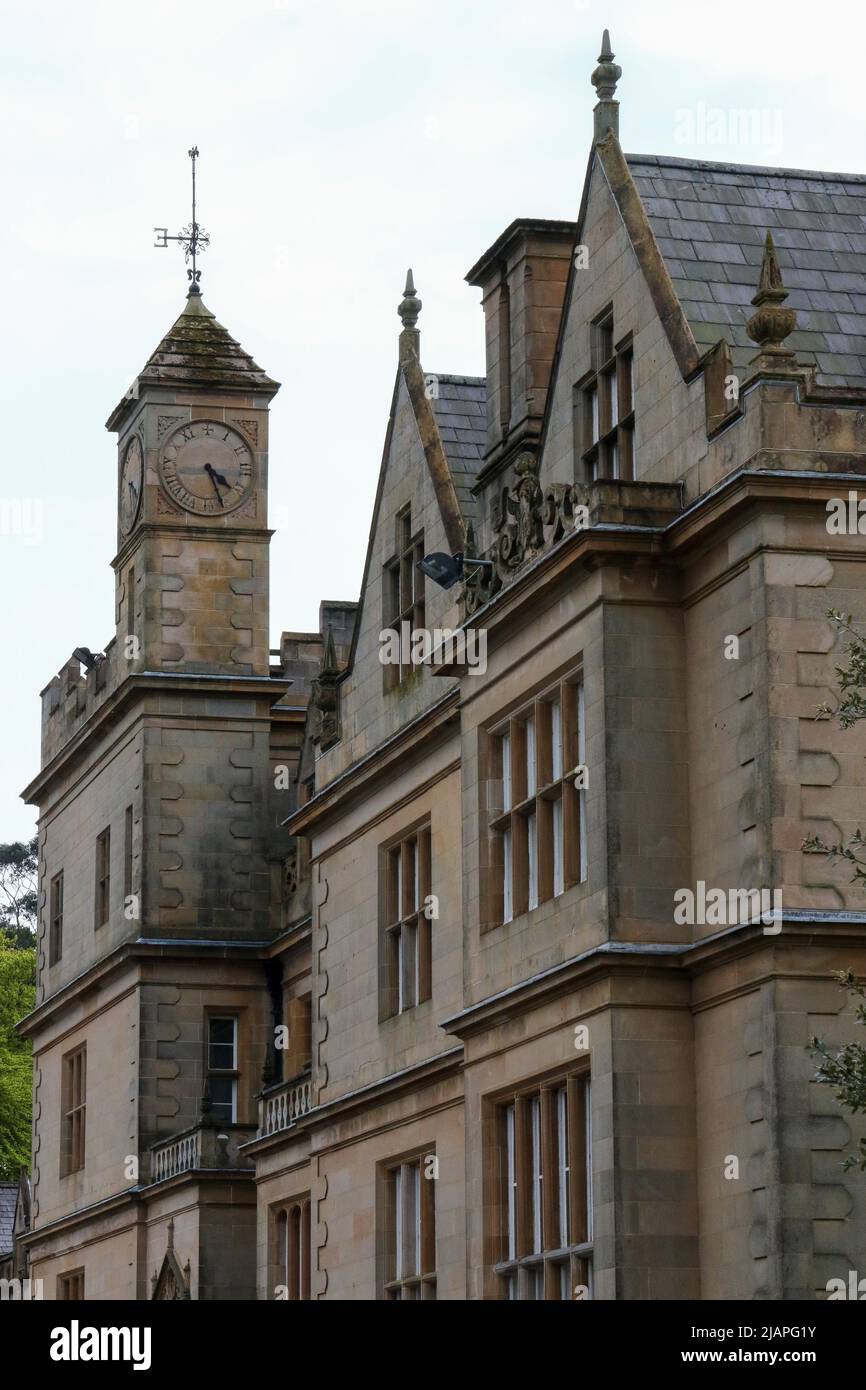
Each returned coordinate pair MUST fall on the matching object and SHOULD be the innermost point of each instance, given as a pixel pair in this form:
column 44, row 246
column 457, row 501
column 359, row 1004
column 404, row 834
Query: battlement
column 70, row 698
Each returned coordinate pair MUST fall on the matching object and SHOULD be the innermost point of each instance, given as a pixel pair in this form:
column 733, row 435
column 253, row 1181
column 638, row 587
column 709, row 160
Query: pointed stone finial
column 329, row 660
column 170, row 1245
column 410, row 305
column 604, row 80
column 772, row 324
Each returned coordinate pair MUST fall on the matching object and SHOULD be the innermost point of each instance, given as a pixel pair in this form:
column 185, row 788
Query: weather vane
column 193, row 238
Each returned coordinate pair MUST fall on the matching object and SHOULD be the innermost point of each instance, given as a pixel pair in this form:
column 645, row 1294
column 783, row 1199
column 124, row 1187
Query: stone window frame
column 540, row 1236
column 102, row 886
column 291, row 1257
column 404, row 595
column 536, row 814
column 73, row 1105
column 70, row 1286
column 128, row 829
column 604, row 406
column 405, row 872
column 55, row 918
column 407, row 1228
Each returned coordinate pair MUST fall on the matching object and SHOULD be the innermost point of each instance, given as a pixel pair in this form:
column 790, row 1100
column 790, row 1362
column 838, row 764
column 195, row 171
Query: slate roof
column 459, row 405
column 710, row 221
column 8, row 1198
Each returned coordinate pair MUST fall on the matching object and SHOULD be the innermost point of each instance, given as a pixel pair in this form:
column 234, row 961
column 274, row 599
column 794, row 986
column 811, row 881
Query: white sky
column 339, row 142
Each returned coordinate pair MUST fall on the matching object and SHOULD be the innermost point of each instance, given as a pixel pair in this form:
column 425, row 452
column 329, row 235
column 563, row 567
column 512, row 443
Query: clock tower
column 192, row 561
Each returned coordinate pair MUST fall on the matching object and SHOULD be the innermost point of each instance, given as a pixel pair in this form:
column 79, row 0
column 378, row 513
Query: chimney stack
column 522, row 279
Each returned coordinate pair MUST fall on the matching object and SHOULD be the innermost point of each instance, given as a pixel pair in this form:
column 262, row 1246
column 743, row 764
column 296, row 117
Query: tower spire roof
column 197, row 351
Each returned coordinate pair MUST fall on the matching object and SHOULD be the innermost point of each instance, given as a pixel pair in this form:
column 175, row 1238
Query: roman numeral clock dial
column 206, row 467
column 131, row 477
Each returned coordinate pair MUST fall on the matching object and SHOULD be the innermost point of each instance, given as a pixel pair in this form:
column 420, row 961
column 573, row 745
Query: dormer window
column 604, row 407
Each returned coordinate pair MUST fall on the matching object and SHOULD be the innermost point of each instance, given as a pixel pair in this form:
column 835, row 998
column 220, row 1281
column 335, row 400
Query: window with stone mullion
column 410, row 1236
column 544, row 1238
column 405, row 595
column 537, row 827
column 407, row 927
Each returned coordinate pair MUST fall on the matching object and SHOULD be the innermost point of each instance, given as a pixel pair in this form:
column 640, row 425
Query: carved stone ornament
column 518, row 518
column 539, row 521
column 171, row 1282
column 324, row 698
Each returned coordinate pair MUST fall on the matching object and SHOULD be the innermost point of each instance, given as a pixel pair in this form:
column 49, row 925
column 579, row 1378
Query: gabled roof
column 198, row 351
column 460, row 409
column 710, row 221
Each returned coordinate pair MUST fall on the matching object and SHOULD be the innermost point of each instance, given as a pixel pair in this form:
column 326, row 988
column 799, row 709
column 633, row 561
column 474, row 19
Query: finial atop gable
column 772, row 324
column 410, row 305
column 409, row 308
column 604, row 79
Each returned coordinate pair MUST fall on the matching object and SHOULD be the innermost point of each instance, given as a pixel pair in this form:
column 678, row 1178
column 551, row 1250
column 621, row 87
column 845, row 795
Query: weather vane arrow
column 193, row 238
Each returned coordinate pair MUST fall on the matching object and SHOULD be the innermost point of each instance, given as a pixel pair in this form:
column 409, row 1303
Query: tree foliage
column 845, row 1068
column 18, row 894
column 17, row 997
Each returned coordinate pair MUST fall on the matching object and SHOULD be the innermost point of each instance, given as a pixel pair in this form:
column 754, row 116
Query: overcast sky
column 340, row 142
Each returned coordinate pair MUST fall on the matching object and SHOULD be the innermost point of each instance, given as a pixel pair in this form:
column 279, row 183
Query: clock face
column 207, row 467
column 131, row 478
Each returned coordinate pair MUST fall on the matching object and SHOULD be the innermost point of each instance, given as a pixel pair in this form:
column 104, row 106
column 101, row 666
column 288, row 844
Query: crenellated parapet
column 73, row 695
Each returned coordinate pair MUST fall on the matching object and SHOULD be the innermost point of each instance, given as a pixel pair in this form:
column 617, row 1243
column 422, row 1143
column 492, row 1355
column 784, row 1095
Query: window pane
column 613, row 400
column 535, row 1176
column 625, row 362
column 556, row 738
column 505, row 748
column 581, row 757
column 401, row 991
column 562, row 1163
column 593, row 409
column 530, row 757
column 507, row 896
column 409, row 962
column 222, row 1091
column 415, row 1191
column 222, row 1044
column 510, row 1187
column 397, row 1222
column 558, row 874
column 532, row 845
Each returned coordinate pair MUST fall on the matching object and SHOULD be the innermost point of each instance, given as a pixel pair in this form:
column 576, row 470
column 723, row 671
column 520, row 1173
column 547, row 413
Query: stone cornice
column 142, row 948
column 681, row 960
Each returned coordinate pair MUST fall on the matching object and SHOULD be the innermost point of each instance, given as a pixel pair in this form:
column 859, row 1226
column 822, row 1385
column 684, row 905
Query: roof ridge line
column 674, row 161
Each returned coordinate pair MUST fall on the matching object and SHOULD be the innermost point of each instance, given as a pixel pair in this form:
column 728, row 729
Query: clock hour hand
column 216, row 477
